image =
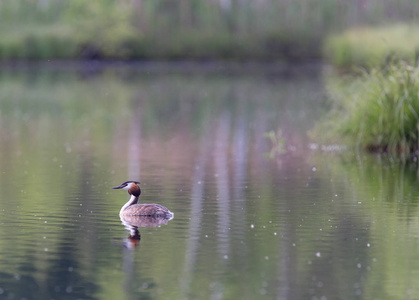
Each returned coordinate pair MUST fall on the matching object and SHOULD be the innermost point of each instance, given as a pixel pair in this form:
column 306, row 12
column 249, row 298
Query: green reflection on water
column 386, row 191
column 300, row 226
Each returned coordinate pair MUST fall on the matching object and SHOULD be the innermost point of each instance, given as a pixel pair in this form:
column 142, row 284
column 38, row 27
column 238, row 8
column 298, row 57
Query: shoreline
column 160, row 66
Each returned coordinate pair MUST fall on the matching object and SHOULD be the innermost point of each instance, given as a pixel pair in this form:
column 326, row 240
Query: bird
column 132, row 208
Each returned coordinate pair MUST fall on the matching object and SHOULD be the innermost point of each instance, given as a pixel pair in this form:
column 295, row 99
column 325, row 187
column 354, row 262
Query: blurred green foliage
column 195, row 29
column 373, row 46
column 103, row 28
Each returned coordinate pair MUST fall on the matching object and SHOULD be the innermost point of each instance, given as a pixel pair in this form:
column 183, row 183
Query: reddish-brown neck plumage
column 134, row 190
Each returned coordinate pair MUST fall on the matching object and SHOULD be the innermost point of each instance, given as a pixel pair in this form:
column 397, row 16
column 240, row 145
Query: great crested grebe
column 132, row 208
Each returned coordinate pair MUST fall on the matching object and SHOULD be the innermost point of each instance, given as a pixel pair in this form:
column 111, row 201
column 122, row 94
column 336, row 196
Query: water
column 306, row 224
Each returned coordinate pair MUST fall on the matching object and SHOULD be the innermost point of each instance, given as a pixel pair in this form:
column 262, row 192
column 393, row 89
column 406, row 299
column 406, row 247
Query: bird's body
column 145, row 209
column 133, row 208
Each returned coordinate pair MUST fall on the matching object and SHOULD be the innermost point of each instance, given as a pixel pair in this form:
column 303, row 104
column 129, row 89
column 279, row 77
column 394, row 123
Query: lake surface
column 304, row 224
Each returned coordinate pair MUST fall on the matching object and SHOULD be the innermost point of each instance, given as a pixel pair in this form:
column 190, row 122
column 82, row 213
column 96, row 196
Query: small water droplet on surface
column 144, row 286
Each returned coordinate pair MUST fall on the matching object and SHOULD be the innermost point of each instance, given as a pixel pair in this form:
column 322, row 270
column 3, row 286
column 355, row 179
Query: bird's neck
column 131, row 201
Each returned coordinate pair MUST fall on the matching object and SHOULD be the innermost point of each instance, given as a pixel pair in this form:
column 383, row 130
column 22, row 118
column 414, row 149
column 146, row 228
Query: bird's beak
column 117, row 187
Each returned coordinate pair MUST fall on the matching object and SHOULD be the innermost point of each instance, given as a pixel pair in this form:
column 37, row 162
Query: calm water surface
column 307, row 224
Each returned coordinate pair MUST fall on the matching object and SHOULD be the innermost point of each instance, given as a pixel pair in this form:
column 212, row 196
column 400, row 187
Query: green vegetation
column 371, row 47
column 378, row 111
column 190, row 29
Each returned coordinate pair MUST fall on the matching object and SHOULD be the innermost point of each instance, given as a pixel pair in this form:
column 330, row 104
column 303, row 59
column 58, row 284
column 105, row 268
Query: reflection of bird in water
column 132, row 208
column 132, row 223
column 133, row 239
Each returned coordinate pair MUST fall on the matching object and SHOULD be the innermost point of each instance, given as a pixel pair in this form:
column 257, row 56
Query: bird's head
column 132, row 187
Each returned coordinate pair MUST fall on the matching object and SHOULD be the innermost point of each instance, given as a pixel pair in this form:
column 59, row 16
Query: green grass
column 371, row 47
column 379, row 111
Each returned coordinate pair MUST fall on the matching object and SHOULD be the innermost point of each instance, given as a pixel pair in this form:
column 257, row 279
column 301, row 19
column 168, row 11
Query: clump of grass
column 370, row 47
column 378, row 111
